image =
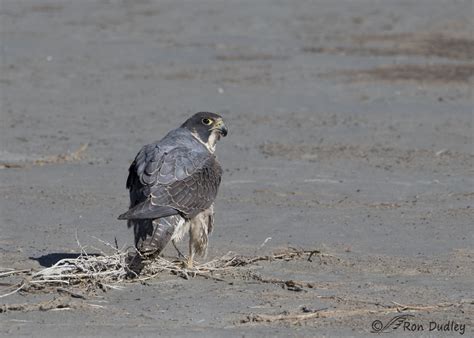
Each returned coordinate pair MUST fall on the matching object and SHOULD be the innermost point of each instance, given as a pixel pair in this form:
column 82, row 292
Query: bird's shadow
column 50, row 259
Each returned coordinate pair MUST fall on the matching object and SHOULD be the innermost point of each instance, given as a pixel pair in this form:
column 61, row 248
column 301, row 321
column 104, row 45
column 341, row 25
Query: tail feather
column 163, row 230
column 151, row 238
column 146, row 210
column 135, row 265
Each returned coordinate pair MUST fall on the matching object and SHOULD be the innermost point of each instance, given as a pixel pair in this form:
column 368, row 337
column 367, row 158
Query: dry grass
column 87, row 273
column 67, row 157
column 295, row 317
column 227, row 263
column 81, row 277
column 63, row 158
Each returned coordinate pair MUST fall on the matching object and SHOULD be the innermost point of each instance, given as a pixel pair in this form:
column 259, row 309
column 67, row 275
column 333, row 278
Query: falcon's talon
column 189, row 264
column 173, row 184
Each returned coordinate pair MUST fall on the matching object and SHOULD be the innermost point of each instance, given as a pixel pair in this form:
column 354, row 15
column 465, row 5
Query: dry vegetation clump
column 89, row 272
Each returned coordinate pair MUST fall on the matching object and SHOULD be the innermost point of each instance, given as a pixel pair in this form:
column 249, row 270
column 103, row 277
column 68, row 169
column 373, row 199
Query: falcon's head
column 207, row 128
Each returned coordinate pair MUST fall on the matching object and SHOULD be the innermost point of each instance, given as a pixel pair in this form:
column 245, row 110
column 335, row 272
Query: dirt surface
column 350, row 132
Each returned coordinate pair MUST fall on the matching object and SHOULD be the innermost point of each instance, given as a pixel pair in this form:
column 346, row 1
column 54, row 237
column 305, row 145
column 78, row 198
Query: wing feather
column 194, row 193
column 179, row 179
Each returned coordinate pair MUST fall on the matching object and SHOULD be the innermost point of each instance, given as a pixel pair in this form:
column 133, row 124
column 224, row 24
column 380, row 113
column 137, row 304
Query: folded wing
column 165, row 183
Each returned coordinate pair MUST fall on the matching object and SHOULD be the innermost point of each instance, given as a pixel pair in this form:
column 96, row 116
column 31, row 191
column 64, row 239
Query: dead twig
column 298, row 317
column 290, row 285
column 208, row 276
column 14, row 291
column 63, row 158
column 283, row 317
column 52, row 159
column 13, row 272
column 295, row 317
column 286, row 255
column 54, row 304
column 71, row 293
column 402, row 307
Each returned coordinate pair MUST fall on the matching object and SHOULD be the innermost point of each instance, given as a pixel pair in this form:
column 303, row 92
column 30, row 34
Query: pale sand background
column 350, row 131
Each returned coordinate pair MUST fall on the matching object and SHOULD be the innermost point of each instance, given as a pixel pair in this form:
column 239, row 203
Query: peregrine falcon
column 173, row 184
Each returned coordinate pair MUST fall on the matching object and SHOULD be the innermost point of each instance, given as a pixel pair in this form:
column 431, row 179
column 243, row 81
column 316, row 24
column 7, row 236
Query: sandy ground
column 350, row 132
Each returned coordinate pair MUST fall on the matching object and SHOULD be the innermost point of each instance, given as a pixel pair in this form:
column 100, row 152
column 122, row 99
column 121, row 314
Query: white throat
column 211, row 142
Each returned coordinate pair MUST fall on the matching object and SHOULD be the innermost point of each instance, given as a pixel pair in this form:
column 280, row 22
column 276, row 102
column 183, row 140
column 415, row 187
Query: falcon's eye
column 207, row 121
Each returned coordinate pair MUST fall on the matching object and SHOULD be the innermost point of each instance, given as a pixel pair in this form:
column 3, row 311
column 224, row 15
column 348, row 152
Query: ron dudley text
column 432, row 326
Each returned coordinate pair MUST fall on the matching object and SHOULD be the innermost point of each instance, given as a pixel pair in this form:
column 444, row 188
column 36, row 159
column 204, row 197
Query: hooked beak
column 221, row 127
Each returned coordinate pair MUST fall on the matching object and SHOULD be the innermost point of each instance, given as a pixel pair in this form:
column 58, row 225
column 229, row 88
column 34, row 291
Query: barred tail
column 154, row 243
column 151, row 237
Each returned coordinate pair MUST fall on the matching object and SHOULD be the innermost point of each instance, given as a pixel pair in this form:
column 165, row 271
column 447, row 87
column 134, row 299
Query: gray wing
column 180, row 181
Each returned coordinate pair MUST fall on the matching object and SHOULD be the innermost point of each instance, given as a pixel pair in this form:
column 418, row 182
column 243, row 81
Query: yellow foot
column 189, row 263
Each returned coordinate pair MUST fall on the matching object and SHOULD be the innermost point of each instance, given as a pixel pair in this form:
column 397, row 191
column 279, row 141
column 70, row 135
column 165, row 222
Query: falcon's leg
column 194, row 226
column 190, row 261
column 198, row 235
column 177, row 249
column 181, row 229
